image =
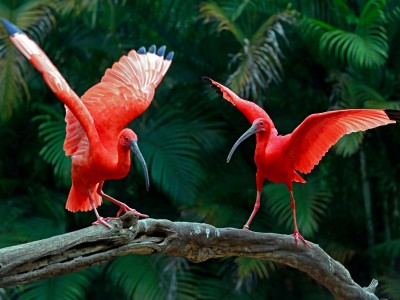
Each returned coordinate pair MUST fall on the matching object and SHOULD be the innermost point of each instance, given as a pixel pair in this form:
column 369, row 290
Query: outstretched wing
column 318, row 132
column 55, row 81
column 249, row 109
column 125, row 92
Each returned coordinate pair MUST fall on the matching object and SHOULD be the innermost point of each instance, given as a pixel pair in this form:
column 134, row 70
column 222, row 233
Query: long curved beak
column 252, row 130
column 135, row 149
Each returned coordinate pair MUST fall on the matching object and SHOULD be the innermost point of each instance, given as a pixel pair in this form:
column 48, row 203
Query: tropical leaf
column 257, row 63
column 312, row 200
column 35, row 17
column 338, row 251
column 52, row 131
column 363, row 47
column 389, row 249
column 225, row 15
column 215, row 289
column 145, row 277
column 173, row 143
column 349, row 144
column 12, row 69
column 391, row 286
column 66, row 287
column 249, row 270
column 369, row 50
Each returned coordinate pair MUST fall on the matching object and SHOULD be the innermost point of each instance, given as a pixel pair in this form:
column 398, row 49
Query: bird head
column 258, row 125
column 128, row 140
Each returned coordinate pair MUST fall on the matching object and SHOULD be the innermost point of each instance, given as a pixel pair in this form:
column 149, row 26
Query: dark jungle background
column 293, row 58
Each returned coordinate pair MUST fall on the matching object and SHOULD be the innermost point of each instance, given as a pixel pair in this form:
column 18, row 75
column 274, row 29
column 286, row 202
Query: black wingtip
column 152, row 49
column 216, row 88
column 170, row 55
column 393, row 114
column 10, row 27
column 161, row 51
column 142, row 50
column 207, row 79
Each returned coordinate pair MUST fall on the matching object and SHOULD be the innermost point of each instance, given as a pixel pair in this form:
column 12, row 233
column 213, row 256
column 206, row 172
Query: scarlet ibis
column 96, row 139
column 279, row 158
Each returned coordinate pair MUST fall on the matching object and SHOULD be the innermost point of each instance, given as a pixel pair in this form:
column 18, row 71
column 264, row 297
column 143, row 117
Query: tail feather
column 79, row 200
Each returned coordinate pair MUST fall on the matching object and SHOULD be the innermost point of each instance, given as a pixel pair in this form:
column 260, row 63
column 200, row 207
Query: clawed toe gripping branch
column 197, row 242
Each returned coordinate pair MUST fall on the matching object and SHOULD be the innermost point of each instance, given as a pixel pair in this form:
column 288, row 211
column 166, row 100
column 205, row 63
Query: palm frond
column 249, row 270
column 391, row 286
column 52, row 131
column 35, row 17
column 312, row 200
column 145, row 277
column 338, row 251
column 349, row 144
column 66, row 287
column 172, row 157
column 13, row 87
column 368, row 50
column 225, row 16
column 389, row 249
column 173, row 143
column 259, row 62
column 363, row 47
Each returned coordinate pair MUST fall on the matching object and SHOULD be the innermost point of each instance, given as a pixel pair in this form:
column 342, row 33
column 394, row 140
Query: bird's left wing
column 125, row 92
column 249, row 109
column 318, row 132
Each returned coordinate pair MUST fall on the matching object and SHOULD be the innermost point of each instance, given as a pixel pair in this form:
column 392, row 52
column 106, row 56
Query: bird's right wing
column 318, row 132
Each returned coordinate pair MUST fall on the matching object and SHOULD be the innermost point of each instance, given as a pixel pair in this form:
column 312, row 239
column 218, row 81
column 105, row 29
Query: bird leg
column 122, row 206
column 100, row 220
column 255, row 209
column 296, row 232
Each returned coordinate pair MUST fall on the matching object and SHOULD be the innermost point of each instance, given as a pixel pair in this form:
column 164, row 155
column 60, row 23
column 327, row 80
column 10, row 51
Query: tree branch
column 197, row 242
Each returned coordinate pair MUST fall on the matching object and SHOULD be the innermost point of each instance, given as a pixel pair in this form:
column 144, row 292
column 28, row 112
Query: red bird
column 96, row 139
column 279, row 158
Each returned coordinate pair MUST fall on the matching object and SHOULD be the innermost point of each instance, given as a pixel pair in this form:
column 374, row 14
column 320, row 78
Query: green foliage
column 249, row 270
column 145, row 277
column 389, row 250
column 312, row 200
column 35, row 17
column 363, row 44
column 391, row 286
column 52, row 131
column 349, row 144
column 258, row 62
column 66, row 287
column 304, row 57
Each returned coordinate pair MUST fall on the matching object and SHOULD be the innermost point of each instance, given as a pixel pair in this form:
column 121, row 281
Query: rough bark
column 197, row 242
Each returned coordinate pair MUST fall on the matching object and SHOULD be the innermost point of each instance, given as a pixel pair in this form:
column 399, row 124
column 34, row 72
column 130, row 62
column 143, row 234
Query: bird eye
column 261, row 123
column 126, row 139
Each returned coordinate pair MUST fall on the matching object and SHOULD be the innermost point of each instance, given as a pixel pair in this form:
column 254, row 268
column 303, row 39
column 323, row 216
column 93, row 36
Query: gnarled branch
column 197, row 242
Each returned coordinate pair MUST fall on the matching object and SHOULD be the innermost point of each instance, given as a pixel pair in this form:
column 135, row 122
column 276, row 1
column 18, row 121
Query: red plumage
column 280, row 158
column 96, row 140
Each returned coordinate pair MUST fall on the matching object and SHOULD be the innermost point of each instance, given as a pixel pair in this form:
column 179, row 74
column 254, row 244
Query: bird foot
column 296, row 234
column 103, row 221
column 125, row 208
column 246, row 227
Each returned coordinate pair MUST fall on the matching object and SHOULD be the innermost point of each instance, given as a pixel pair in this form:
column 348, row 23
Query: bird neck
column 124, row 159
column 262, row 139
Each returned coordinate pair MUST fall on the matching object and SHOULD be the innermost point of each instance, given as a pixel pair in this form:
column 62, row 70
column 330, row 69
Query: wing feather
column 249, row 109
column 311, row 140
column 125, row 92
